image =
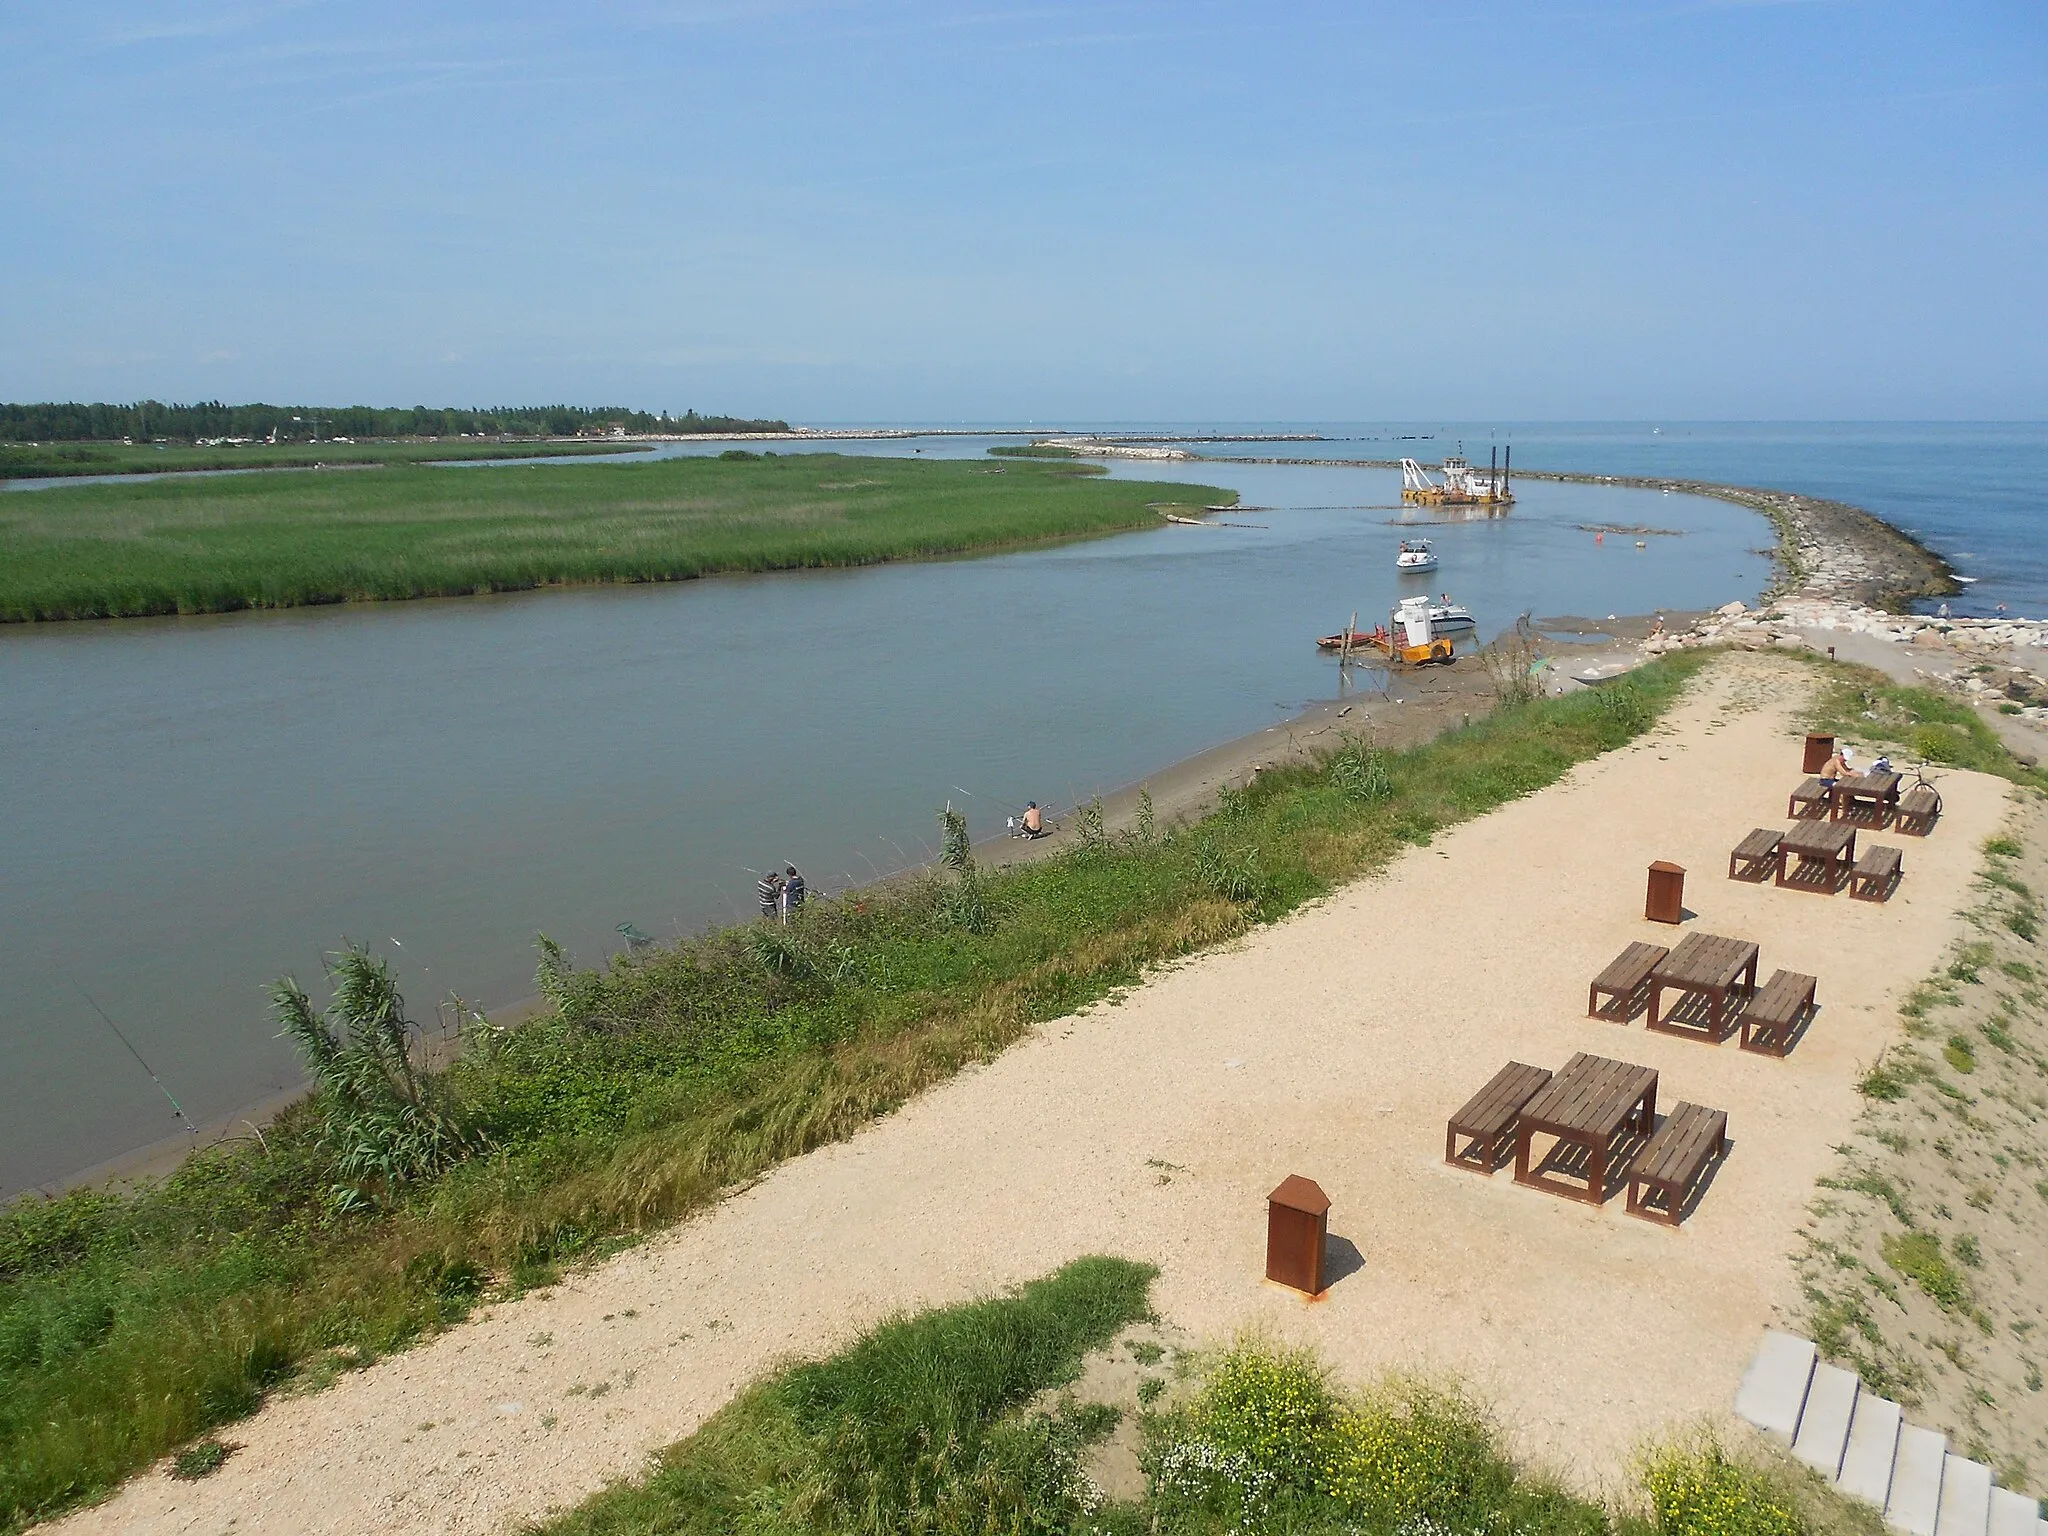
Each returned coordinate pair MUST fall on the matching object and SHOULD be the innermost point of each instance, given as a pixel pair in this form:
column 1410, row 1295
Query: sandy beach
column 1332, row 1045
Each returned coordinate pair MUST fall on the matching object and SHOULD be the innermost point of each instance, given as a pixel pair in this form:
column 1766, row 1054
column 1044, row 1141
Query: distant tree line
column 152, row 420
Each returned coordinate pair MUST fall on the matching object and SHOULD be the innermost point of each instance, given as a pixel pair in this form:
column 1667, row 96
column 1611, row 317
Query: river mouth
column 206, row 804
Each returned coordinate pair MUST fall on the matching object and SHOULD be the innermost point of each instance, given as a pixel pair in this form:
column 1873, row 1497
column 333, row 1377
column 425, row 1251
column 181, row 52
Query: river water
column 196, row 806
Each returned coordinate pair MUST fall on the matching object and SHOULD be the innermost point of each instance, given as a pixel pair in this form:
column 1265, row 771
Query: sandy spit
column 1332, row 1045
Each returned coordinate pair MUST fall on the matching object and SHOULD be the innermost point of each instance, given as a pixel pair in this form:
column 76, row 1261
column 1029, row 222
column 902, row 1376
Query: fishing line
column 96, row 1008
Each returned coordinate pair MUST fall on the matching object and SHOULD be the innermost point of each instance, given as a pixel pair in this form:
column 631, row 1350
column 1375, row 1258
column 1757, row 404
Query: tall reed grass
column 130, row 1322
column 215, row 544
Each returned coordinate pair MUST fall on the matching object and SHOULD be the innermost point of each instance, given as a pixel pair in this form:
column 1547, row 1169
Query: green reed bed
column 215, row 544
column 952, row 1422
column 28, row 461
column 131, row 1322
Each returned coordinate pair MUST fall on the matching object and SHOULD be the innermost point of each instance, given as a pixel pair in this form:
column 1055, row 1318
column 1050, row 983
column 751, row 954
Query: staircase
column 1864, row 1445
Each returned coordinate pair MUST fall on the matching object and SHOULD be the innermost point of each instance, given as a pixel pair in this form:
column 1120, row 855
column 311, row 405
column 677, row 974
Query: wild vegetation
column 1918, row 725
column 1924, row 1254
column 134, row 1321
column 27, row 461
column 214, row 544
column 954, row 1421
column 144, row 421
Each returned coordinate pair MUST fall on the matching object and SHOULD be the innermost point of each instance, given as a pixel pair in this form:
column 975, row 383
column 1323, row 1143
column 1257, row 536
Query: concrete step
column 1965, row 1498
column 1914, row 1504
column 1873, row 1446
column 2013, row 1514
column 1773, row 1390
column 1824, row 1424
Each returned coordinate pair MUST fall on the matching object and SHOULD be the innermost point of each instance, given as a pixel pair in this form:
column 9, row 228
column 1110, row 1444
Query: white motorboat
column 1415, row 555
column 1445, row 617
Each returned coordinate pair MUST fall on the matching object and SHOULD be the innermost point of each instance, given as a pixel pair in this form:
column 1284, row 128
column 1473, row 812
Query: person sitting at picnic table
column 793, row 893
column 1831, row 774
column 769, row 890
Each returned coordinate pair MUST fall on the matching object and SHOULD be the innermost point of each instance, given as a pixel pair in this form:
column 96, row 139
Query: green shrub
column 1700, row 1492
column 1360, row 772
column 201, row 1460
column 1917, row 1256
column 1881, row 1082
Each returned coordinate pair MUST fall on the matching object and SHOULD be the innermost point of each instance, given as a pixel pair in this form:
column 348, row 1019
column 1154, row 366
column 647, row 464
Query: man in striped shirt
column 770, row 892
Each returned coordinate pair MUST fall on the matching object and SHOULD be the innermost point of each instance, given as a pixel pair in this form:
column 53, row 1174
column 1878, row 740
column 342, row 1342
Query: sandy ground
column 1962, row 1149
column 1332, row 1045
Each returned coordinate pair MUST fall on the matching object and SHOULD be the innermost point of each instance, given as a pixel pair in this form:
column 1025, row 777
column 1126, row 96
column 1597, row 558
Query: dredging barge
column 1462, row 485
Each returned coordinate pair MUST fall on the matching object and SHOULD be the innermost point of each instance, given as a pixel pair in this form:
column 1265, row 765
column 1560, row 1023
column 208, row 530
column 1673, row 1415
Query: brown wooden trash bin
column 1297, row 1223
column 1666, row 900
column 1819, row 749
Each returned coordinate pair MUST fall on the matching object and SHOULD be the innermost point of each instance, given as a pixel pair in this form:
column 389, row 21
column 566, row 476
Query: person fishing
column 793, row 893
column 769, row 890
column 1034, row 819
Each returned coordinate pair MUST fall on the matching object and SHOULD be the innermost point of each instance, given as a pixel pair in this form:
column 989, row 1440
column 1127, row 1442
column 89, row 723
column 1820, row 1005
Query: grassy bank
column 25, row 461
column 948, row 1422
column 130, row 1323
column 1915, row 724
column 214, row 544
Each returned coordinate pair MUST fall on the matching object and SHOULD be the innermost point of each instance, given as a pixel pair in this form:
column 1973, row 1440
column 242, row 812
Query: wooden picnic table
column 1587, row 1105
column 1707, row 965
column 1879, row 791
column 1830, row 844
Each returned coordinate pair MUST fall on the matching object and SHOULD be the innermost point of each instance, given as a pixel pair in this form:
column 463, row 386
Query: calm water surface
column 195, row 806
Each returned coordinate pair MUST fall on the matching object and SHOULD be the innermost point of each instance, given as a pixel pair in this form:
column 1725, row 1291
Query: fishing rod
column 96, row 1008
column 992, row 799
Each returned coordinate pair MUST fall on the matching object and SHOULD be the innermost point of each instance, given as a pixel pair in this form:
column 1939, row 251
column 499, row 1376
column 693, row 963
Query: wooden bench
column 1809, row 800
column 1771, row 1022
column 1624, row 975
column 1488, row 1117
column 1758, row 852
column 1918, row 810
column 1673, row 1160
column 1876, row 873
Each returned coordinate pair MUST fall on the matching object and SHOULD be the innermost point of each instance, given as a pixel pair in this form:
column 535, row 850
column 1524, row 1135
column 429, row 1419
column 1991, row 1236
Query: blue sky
column 1053, row 212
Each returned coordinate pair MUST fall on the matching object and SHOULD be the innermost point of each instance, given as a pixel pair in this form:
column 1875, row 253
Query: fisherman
column 1034, row 819
column 770, row 891
column 792, row 893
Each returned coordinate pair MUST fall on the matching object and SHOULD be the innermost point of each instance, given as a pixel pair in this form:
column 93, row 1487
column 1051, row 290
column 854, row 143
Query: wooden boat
column 1359, row 639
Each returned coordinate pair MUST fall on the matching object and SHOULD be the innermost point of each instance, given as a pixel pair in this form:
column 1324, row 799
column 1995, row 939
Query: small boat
column 1446, row 617
column 1415, row 555
column 1354, row 640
